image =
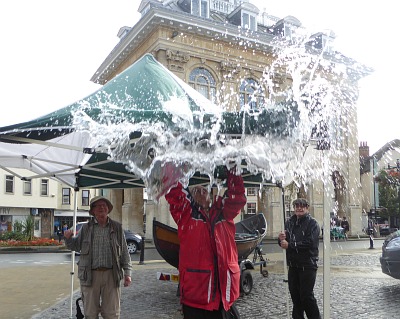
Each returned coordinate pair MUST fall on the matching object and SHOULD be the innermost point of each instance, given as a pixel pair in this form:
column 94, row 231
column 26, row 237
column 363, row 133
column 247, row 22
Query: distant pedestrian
column 59, row 234
column 345, row 225
column 301, row 241
column 65, row 228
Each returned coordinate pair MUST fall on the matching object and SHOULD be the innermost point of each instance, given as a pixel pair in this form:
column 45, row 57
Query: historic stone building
column 221, row 47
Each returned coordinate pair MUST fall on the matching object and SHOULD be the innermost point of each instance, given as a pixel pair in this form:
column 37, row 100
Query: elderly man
column 208, row 261
column 103, row 263
column 301, row 241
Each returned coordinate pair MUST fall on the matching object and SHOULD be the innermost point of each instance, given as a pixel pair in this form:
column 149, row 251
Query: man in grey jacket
column 104, row 261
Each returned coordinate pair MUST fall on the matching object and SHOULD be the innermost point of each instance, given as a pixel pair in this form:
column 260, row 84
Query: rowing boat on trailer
column 249, row 233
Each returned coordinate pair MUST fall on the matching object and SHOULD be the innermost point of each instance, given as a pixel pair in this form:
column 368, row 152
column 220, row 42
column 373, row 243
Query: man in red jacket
column 208, row 263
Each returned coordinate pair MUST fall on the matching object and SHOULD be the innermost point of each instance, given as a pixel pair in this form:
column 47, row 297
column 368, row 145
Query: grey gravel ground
column 358, row 290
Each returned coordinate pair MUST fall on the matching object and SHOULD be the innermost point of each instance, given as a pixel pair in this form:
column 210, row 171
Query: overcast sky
column 50, row 50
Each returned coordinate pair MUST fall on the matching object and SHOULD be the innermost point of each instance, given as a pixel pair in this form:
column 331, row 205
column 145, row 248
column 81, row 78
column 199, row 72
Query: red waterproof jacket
column 208, row 263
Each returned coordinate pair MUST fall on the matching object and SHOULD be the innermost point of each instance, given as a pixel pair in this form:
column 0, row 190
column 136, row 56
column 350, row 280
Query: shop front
column 63, row 219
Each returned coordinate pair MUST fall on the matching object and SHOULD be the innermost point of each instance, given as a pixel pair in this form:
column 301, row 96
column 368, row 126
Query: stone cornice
column 208, row 28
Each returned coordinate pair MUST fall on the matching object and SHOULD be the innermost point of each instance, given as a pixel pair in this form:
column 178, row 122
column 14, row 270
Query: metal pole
column 327, row 251
column 141, row 260
column 72, row 273
column 285, row 269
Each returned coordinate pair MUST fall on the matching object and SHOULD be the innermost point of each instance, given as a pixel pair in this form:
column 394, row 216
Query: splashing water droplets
column 304, row 104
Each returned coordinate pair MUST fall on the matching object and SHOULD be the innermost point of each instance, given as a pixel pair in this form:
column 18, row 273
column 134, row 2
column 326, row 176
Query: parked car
column 133, row 241
column 386, row 230
column 390, row 259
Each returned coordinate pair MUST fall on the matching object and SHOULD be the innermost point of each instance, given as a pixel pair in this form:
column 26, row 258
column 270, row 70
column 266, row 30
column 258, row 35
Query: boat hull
column 249, row 234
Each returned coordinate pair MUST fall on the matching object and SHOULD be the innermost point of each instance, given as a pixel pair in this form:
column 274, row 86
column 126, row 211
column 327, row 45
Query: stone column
column 133, row 207
column 116, row 198
column 271, row 207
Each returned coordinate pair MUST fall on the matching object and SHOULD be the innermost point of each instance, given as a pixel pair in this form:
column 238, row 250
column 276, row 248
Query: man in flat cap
column 104, row 261
column 301, row 241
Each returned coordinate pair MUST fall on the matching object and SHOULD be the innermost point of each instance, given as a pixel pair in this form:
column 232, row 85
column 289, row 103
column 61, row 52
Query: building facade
column 386, row 158
column 219, row 48
column 49, row 202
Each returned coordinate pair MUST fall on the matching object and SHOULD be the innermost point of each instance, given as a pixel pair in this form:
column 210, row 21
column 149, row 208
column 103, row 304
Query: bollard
column 371, row 242
column 141, row 260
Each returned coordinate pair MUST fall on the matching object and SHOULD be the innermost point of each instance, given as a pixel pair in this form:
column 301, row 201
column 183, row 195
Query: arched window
column 202, row 81
column 251, row 94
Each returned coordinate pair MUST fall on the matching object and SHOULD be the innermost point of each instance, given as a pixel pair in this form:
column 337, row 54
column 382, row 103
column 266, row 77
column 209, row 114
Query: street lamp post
column 141, row 259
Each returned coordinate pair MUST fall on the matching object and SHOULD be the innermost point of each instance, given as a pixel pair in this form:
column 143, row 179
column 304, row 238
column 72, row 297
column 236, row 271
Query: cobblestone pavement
column 358, row 290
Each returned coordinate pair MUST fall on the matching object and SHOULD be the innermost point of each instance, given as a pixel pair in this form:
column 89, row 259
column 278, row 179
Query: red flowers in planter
column 37, row 241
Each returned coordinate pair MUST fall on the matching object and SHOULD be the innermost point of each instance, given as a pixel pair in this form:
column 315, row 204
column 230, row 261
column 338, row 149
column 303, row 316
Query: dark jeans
column 197, row 313
column 301, row 287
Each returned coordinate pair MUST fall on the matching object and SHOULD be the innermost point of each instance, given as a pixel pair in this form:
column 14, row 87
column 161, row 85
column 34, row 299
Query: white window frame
column 9, row 184
column 44, row 187
column 251, row 208
column 27, row 187
column 66, row 196
column 85, row 197
column 200, row 8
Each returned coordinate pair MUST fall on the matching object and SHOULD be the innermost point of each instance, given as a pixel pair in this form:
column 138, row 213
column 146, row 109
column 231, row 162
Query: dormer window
column 200, row 8
column 249, row 21
column 245, row 15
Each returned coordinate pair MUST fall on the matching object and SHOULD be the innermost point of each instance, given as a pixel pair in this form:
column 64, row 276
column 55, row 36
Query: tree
column 389, row 182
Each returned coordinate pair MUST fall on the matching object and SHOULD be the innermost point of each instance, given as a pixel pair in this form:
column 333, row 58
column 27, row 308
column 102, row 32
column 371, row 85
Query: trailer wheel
column 264, row 272
column 246, row 281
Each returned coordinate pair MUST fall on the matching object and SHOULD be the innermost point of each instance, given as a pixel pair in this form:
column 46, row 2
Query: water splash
column 308, row 98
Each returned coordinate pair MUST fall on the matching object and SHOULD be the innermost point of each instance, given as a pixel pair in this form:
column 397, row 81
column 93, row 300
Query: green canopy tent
column 59, row 145
column 64, row 144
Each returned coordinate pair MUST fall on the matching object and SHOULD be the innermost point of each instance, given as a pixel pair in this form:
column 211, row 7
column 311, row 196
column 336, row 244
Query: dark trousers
column 197, row 313
column 301, row 287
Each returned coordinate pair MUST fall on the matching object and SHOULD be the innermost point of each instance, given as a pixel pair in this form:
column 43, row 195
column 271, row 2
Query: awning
column 70, row 213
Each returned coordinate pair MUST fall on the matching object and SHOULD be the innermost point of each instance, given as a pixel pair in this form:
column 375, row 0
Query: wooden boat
column 249, row 233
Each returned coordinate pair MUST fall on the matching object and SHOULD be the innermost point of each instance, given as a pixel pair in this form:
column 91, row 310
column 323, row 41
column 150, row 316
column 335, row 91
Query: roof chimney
column 363, row 150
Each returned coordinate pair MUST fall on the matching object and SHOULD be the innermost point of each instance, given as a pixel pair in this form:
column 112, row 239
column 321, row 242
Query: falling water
column 312, row 110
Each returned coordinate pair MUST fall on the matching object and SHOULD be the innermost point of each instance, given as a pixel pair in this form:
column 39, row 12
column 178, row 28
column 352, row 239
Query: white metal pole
column 285, row 269
column 73, row 256
column 327, row 247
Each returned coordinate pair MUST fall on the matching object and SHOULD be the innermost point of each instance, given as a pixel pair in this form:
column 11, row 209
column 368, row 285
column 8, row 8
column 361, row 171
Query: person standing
column 345, row 225
column 301, row 241
column 104, row 261
column 59, row 234
column 208, row 262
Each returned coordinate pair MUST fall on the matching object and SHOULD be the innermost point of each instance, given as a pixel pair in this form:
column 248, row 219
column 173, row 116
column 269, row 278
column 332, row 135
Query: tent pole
column 285, row 269
column 73, row 256
column 327, row 250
